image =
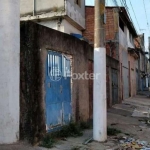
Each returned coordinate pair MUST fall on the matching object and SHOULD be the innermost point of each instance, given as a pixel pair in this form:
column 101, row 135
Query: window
column 78, row 2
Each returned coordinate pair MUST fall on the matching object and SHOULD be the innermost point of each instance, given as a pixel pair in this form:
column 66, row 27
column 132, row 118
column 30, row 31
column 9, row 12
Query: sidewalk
column 128, row 117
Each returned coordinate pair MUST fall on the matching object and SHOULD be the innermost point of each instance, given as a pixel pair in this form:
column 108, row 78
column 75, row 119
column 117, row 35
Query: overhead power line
column 124, row 4
column 146, row 16
column 135, row 15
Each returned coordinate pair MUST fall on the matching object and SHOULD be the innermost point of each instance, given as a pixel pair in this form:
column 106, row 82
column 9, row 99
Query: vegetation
column 72, row 129
column 112, row 131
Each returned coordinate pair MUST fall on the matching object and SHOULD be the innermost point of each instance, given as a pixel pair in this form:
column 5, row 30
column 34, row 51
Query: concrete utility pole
column 149, row 62
column 99, row 109
column 149, row 45
column 9, row 70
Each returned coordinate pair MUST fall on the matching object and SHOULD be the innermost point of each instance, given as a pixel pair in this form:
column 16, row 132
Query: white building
column 9, row 71
column 67, row 16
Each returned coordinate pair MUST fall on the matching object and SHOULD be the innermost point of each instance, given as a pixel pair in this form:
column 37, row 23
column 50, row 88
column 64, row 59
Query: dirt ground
column 131, row 118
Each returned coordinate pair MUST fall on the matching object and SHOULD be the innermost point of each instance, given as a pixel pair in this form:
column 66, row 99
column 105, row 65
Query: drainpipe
column 33, row 7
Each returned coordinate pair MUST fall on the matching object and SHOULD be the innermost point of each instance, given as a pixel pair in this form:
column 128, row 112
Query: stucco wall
column 47, row 9
column 128, row 62
column 111, row 27
column 50, row 24
column 68, row 28
column 9, row 71
column 76, row 12
column 41, row 6
column 130, row 42
column 35, row 41
column 132, row 78
column 123, row 58
column 65, row 26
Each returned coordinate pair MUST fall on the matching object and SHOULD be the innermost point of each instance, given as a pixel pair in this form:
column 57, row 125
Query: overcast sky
column 138, row 7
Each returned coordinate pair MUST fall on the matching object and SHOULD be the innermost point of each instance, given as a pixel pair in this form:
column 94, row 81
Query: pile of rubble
column 131, row 143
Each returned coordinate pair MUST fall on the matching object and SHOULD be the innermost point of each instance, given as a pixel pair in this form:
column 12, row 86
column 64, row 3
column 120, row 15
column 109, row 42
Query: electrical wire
column 127, row 9
column 146, row 16
column 135, row 15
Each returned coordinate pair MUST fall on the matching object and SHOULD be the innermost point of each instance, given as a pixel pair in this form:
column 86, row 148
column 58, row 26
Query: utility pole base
column 99, row 101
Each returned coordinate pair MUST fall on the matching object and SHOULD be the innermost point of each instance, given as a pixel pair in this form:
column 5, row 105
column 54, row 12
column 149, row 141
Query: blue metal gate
column 58, row 90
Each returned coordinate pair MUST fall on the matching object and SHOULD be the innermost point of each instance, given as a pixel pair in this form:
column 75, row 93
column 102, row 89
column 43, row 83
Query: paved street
column 128, row 117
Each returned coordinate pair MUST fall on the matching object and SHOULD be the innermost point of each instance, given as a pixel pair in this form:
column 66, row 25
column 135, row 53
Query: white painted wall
column 9, row 70
column 65, row 26
column 123, row 39
column 50, row 24
column 76, row 12
column 41, row 6
column 68, row 28
column 127, row 33
column 47, row 9
column 130, row 42
column 99, row 96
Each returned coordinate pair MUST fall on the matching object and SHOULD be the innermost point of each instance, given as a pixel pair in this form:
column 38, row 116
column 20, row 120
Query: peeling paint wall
column 36, row 40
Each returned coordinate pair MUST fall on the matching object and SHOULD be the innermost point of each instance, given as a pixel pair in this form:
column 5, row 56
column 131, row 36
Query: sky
column 139, row 9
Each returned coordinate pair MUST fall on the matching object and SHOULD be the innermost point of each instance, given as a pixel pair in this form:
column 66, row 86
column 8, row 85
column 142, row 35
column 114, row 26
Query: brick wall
column 89, row 24
column 111, row 28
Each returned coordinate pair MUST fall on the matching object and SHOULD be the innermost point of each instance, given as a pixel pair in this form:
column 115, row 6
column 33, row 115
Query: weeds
column 85, row 125
column 75, row 148
column 72, row 129
column 112, row 131
column 47, row 141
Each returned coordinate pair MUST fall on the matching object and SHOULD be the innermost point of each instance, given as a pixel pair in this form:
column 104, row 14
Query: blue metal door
column 58, row 91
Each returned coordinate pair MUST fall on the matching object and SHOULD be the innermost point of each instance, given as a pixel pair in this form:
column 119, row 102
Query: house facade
column 120, row 52
column 112, row 66
column 67, row 16
column 52, row 93
column 127, row 54
column 142, row 63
